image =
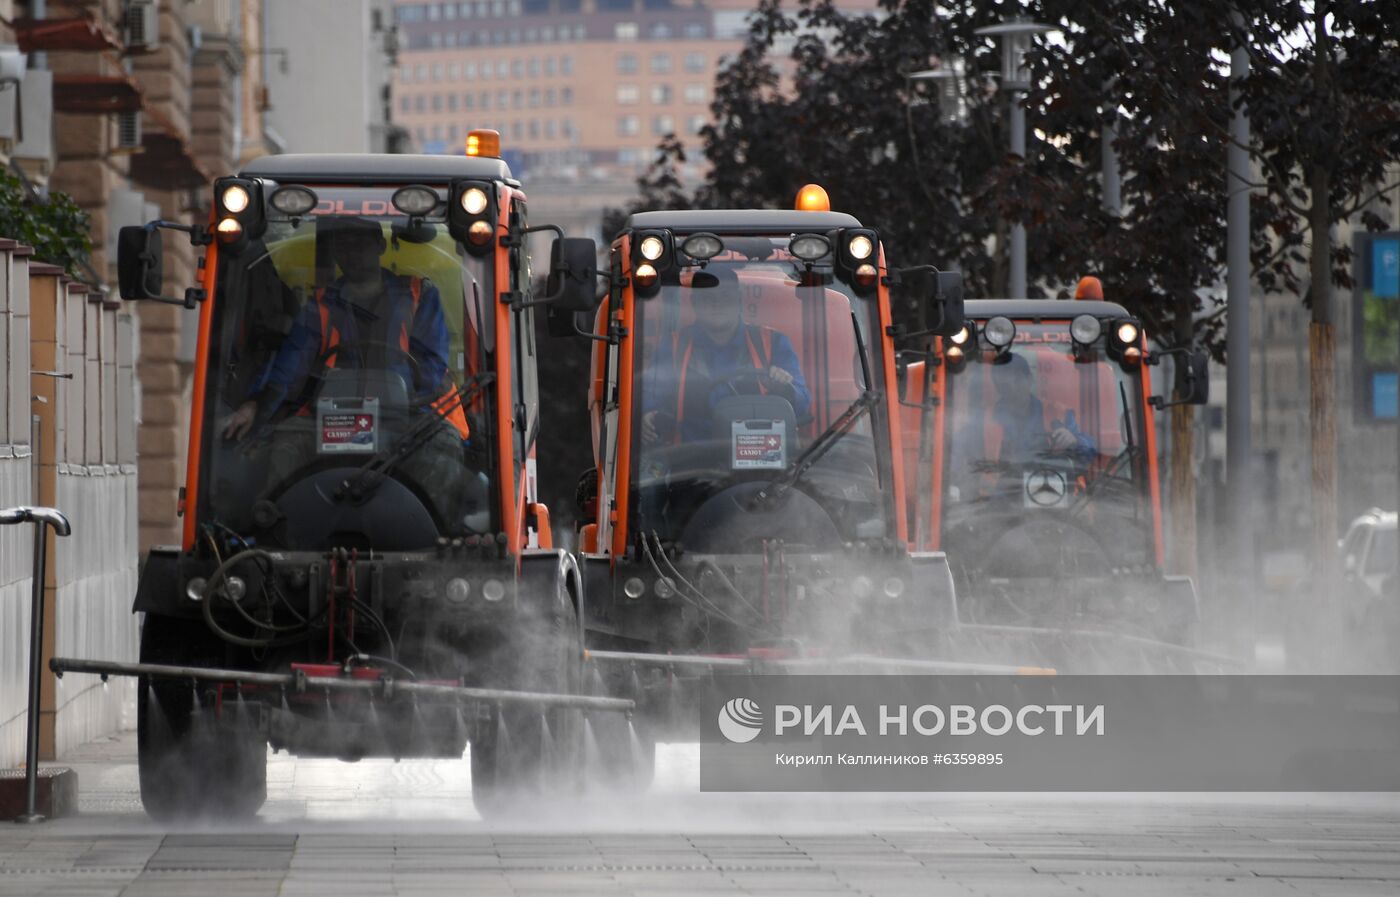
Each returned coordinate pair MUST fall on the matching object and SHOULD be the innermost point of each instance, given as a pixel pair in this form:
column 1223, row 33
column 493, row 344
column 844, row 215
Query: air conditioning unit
column 129, row 130
column 142, row 25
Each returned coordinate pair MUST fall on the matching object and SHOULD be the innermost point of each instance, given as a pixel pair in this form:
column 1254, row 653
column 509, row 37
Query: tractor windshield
column 346, row 405
column 1045, row 469
column 743, row 365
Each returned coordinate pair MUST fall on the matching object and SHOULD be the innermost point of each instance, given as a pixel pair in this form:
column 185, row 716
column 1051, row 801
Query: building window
column 628, row 126
column 531, row 35
column 660, row 31
column 534, row 129
column 502, row 69
column 532, row 68
column 628, row 95
column 566, row 65
column 420, row 103
column 614, row 5
column 406, row 74
column 449, row 10
column 435, row 40
column 449, row 39
column 549, row 65
column 625, row 31
column 434, row 11
column 486, row 101
column 566, row 127
column 546, row 34
column 451, row 102
column 695, row 93
column 695, row 123
column 626, row 64
column 695, row 62
column 517, row 100
column 694, row 30
column 534, row 98
column 566, row 96
column 420, row 73
column 660, row 94
column 405, row 104
column 517, row 68
column 468, row 100
column 550, row 97
column 454, row 71
column 628, row 157
column 452, row 133
column 469, row 72
column 502, row 99
column 517, row 131
column 579, row 32
column 549, row 129
column 662, row 125
column 437, row 102
column 660, row 63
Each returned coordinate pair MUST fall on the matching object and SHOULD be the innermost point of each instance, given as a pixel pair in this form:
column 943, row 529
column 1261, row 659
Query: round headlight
column 961, row 337
column 235, row 588
column 634, row 587
column 458, row 589
column 235, row 199
column 702, row 246
column 1127, row 333
column 645, row 275
column 293, row 200
column 861, row 587
column 809, row 247
column 664, row 588
column 894, row 587
column 953, row 354
column 415, row 200
column 652, row 248
column 479, row 233
column 229, row 229
column 860, row 247
column 493, row 590
column 866, row 275
column 194, row 589
column 1085, row 329
column 474, row 200
column 999, row 331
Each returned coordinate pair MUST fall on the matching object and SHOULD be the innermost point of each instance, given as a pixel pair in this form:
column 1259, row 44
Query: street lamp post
column 1015, row 35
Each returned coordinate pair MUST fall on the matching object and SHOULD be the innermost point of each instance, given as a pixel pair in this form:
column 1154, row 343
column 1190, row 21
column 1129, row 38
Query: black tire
column 192, row 762
column 525, row 758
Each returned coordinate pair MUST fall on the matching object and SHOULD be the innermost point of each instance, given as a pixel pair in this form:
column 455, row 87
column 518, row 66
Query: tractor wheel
column 527, row 757
column 193, row 762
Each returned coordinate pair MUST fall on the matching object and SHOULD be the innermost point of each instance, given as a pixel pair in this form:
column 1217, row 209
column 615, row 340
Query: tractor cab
column 747, row 492
column 360, row 501
column 1038, row 469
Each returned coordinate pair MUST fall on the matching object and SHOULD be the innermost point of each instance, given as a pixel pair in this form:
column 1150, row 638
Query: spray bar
column 1103, row 635
column 301, row 683
column 824, row 664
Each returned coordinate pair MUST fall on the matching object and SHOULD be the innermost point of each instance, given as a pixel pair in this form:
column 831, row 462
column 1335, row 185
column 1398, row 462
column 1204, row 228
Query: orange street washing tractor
column 746, row 508
column 1030, row 452
column 364, row 570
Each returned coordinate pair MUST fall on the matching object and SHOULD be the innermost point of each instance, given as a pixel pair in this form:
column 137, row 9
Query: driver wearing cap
column 369, row 317
column 717, row 356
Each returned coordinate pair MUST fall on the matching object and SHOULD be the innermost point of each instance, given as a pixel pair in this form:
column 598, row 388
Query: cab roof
column 742, row 221
column 1056, row 309
column 323, row 168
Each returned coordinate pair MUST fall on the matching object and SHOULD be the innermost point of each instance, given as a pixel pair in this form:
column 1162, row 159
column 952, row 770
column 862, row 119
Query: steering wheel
column 733, row 381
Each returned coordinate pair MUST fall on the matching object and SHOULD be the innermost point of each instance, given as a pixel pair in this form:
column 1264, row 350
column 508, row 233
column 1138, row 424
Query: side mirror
column 926, row 302
column 139, row 262
column 1193, row 378
column 946, row 308
column 573, row 275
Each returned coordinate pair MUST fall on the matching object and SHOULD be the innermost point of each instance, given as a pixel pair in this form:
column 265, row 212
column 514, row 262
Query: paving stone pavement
column 381, row 829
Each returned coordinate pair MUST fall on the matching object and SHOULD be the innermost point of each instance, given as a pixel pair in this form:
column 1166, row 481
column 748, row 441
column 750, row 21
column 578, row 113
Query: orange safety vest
column 448, row 404
column 765, row 336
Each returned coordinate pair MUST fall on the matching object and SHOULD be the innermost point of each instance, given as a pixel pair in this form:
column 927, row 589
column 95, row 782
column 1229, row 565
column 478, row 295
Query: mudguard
column 548, row 575
column 161, row 586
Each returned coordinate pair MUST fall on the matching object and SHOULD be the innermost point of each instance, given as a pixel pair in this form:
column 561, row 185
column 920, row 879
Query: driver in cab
column 1019, row 431
column 717, row 356
column 368, row 318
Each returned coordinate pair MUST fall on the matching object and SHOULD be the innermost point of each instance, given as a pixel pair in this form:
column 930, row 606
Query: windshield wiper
column 819, row 447
column 372, row 472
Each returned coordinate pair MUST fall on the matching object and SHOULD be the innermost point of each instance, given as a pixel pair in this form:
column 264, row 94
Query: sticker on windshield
column 759, row 445
column 348, row 429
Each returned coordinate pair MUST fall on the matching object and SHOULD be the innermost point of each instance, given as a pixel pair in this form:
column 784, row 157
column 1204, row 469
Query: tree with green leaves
column 57, row 228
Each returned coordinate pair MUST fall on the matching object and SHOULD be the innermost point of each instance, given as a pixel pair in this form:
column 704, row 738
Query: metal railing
column 42, row 518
